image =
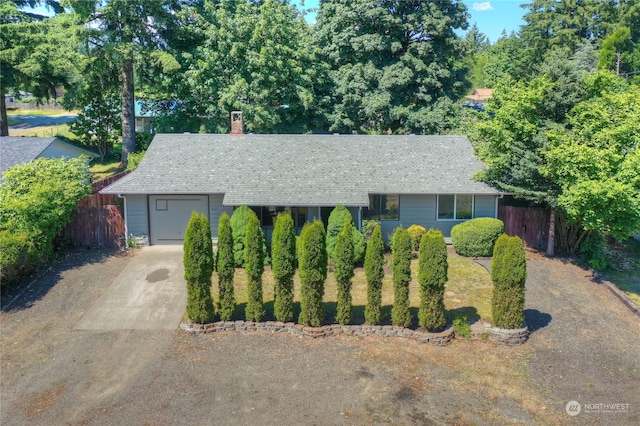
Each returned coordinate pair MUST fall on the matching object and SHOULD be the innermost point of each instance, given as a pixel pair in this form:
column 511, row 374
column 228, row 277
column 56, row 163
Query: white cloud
column 481, row 7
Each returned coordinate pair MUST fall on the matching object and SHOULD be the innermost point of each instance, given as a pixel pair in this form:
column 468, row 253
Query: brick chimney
column 236, row 123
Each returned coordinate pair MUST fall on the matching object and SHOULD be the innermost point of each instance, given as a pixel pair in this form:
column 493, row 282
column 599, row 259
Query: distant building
column 478, row 98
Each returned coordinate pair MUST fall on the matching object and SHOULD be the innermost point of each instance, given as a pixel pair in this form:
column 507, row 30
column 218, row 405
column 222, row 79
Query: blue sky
column 492, row 16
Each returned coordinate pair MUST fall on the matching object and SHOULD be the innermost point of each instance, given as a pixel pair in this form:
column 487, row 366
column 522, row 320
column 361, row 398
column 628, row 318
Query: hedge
column 476, row 237
column 508, row 273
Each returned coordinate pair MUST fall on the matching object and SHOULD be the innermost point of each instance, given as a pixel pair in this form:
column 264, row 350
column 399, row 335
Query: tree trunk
column 551, row 242
column 128, row 111
column 618, row 54
column 4, row 120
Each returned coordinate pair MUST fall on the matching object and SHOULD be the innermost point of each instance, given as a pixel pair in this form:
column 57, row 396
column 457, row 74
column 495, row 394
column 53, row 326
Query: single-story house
column 16, row 150
column 398, row 180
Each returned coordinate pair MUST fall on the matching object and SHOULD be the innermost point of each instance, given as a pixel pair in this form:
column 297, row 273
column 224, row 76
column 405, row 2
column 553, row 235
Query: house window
column 455, row 207
column 383, row 207
column 268, row 214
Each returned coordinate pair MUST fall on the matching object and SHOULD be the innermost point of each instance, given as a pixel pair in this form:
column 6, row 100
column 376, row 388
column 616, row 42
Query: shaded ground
column 28, row 122
column 584, row 347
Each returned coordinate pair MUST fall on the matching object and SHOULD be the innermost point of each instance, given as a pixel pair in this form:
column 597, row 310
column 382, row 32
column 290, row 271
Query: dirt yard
column 585, row 346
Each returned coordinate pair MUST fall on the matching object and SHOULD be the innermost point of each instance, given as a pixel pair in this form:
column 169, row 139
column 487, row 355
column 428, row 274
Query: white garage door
column 170, row 214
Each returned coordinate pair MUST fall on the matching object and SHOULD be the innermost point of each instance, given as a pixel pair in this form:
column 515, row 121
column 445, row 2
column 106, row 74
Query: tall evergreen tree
column 432, row 276
column 343, row 259
column 374, row 272
column 225, row 266
column 283, row 265
column 509, row 274
column 198, row 268
column 396, row 66
column 127, row 28
column 254, row 266
column 402, row 253
column 313, row 273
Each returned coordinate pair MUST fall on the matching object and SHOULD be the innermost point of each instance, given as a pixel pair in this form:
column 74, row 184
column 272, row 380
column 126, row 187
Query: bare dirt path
column 582, row 348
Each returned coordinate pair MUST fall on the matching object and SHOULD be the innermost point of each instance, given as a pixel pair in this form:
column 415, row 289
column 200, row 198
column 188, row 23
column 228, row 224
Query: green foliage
column 198, row 268
column 313, row 273
column 338, row 217
column 416, row 232
column 368, row 226
column 18, row 256
column 284, row 260
column 254, row 266
column 374, row 272
column 395, row 69
column 432, row 276
column 509, row 274
column 592, row 251
column 476, row 237
column 36, row 203
column 250, row 56
column 239, row 221
column 225, row 266
column 595, row 162
column 401, row 266
column 461, row 326
column 134, row 160
column 344, row 272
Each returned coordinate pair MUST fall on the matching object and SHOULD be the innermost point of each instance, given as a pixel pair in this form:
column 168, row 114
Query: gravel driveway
column 585, row 347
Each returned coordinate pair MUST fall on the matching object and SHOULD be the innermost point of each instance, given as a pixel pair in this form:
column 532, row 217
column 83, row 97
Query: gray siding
column 215, row 211
column 137, row 215
column 419, row 209
column 484, row 206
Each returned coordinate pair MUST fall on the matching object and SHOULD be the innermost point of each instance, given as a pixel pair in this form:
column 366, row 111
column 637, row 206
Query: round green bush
column 476, row 237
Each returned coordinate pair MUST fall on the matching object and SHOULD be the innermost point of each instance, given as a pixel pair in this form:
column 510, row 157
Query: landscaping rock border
column 440, row 339
column 508, row 336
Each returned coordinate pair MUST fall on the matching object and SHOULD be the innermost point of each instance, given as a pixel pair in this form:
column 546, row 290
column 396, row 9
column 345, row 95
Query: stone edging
column 508, row 337
column 623, row 297
column 440, row 339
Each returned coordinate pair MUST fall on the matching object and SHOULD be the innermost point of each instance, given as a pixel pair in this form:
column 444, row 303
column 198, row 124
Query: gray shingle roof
column 20, row 150
column 300, row 170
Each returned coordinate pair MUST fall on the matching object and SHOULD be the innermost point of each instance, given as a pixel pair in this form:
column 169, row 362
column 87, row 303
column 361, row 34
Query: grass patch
column 100, row 170
column 468, row 292
column 61, row 130
column 625, row 270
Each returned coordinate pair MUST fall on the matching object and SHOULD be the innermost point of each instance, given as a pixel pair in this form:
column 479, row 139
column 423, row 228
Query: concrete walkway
column 149, row 294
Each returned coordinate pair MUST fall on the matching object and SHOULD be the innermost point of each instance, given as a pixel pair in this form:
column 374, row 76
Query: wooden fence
column 34, row 106
column 98, row 220
column 531, row 224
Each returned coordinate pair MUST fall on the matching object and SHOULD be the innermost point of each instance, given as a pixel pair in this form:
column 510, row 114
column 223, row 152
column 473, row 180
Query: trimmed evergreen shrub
column 226, row 268
column 509, row 273
column 374, row 271
column 432, row 276
column 344, row 272
column 338, row 217
column 368, row 226
column 401, row 265
column 254, row 266
column 239, row 221
column 313, row 273
column 416, row 232
column 476, row 237
column 283, row 254
column 198, row 268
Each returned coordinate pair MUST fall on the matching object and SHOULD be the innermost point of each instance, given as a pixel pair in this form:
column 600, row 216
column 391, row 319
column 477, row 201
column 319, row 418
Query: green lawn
column 469, row 290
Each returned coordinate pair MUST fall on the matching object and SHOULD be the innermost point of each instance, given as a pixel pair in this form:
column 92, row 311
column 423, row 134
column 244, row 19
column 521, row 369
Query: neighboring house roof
column 20, row 150
column 480, row 94
column 301, row 170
